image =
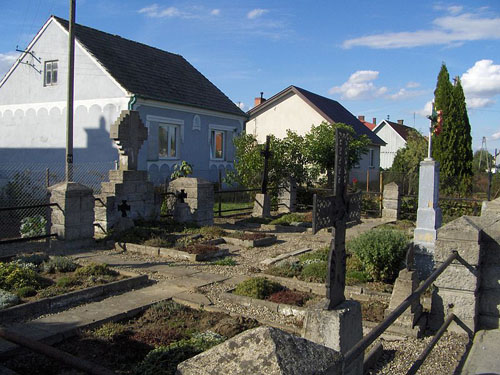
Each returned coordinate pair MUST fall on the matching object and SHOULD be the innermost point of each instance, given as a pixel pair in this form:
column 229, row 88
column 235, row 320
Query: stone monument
column 391, row 201
column 195, row 200
column 287, row 198
column 127, row 185
column 337, row 323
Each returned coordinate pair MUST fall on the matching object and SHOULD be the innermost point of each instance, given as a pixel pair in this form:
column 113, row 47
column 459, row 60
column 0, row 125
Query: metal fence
column 23, row 192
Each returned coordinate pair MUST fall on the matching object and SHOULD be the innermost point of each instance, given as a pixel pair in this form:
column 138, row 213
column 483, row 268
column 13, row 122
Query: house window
column 372, row 158
column 168, row 136
column 50, row 76
column 217, row 144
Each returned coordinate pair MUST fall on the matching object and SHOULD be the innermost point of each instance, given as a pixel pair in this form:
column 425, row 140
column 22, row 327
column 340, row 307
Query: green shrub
column 14, row 276
column 321, row 254
column 95, row 269
column 67, row 282
column 356, row 277
column 59, row 264
column 26, row 291
column 258, row 287
column 164, row 359
column 37, row 259
column 32, row 226
column 315, row 272
column 285, row 269
column 287, row 219
column 381, row 251
column 227, row 261
column 7, row 299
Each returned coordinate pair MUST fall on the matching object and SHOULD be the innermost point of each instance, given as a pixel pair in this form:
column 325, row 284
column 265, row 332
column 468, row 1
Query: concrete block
column 463, row 304
column 262, row 206
column 469, row 251
column 458, row 277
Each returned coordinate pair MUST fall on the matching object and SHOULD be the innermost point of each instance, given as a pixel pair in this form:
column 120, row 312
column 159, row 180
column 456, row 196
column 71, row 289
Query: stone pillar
column 428, row 217
column 406, row 283
column 339, row 329
column 391, row 201
column 73, row 217
column 287, row 198
column 262, row 206
column 200, row 198
column 457, row 288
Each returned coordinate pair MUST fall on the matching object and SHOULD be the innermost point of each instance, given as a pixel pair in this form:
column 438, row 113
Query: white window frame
column 371, row 154
column 169, row 129
column 51, row 71
column 228, row 134
column 213, row 135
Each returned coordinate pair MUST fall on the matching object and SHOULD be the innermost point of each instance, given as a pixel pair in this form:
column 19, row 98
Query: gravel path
column 398, row 355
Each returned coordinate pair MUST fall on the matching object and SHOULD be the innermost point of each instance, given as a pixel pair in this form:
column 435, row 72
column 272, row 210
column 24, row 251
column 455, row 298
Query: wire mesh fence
column 24, row 186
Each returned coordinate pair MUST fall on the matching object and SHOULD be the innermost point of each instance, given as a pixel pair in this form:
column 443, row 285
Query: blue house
column 188, row 118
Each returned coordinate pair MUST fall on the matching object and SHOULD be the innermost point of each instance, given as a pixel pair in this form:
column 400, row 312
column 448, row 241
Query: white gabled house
column 188, row 118
column 395, row 135
column 297, row 109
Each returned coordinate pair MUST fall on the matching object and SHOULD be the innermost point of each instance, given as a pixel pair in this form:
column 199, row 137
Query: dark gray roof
column 151, row 73
column 330, row 109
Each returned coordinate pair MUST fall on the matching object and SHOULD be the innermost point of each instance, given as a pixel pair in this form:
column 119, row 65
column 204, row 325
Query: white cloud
column 155, row 11
column 405, row 94
column 255, row 13
column 412, row 85
column 359, row 86
column 215, row 12
column 481, row 83
column 452, row 30
column 495, row 136
column 426, row 111
column 6, row 62
column 241, row 105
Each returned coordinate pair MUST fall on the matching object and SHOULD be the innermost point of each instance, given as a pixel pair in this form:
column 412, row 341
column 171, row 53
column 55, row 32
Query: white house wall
column 394, row 143
column 289, row 113
column 33, row 117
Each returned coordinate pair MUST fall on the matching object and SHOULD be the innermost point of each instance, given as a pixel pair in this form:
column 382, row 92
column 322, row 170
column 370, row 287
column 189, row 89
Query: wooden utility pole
column 71, row 84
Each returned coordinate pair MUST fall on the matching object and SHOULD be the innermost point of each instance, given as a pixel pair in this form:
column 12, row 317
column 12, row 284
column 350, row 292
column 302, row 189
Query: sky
column 379, row 59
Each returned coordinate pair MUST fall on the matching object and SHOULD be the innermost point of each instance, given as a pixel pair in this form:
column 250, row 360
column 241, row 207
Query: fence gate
column 324, row 206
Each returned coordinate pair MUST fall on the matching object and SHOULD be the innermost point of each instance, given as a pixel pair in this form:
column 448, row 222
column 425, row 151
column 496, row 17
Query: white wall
column 289, row 113
column 394, row 143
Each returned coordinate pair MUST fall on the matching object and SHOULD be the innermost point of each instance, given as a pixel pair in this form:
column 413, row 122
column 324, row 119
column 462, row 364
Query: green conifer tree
column 442, row 99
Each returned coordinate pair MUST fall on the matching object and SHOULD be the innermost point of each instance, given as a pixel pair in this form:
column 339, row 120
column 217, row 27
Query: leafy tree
column 453, row 147
column 481, row 160
column 320, row 148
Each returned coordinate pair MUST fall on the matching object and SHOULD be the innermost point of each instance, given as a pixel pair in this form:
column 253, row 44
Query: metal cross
column 124, row 207
column 266, row 153
column 335, row 279
column 181, row 196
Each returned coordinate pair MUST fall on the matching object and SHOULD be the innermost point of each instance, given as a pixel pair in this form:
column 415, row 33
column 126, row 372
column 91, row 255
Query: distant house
column 369, row 125
column 298, row 109
column 395, row 136
column 188, row 117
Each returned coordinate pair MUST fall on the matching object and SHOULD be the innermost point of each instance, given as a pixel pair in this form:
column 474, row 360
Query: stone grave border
column 259, row 242
column 50, row 305
column 158, row 251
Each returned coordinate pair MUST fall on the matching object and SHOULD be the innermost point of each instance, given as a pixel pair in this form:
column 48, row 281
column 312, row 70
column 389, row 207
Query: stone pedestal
column 339, row 329
column 391, row 201
column 200, row 198
column 406, row 283
column 182, row 213
column 428, row 217
column 287, row 198
column 262, row 206
column 73, row 217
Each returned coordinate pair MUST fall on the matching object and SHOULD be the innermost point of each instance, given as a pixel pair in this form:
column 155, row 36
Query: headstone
column 287, row 198
column 337, row 323
column 264, row 350
column 127, row 183
column 198, row 200
column 262, row 206
column 428, row 217
column 391, row 201
column 73, row 217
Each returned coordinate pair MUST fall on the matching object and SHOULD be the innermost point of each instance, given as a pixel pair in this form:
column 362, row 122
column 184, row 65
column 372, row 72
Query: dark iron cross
column 124, row 207
column 335, row 279
column 181, row 196
column 266, row 153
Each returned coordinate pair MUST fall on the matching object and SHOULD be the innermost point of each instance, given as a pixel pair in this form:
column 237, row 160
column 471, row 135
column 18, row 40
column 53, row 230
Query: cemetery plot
column 292, row 222
column 153, row 343
column 250, row 239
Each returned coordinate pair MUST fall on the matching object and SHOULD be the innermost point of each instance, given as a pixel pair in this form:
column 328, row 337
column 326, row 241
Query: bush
column 164, row 359
column 315, row 272
column 321, row 254
column 258, row 287
column 37, row 259
column 381, row 251
column 7, row 299
column 285, row 269
column 67, row 282
column 32, row 226
column 95, row 269
column 59, row 264
column 14, row 276
column 26, row 291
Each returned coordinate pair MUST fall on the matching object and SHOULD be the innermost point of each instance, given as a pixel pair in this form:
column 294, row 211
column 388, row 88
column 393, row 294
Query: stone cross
column 129, row 133
column 124, row 207
column 181, row 196
column 266, row 153
column 335, row 279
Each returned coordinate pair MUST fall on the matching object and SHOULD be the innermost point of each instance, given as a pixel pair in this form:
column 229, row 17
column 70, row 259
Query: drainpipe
column 132, row 101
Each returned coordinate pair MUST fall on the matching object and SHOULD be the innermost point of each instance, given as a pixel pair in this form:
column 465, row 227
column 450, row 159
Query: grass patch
column 258, row 287
column 226, row 261
column 290, row 218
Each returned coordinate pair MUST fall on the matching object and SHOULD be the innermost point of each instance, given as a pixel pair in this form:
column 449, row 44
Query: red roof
column 369, row 125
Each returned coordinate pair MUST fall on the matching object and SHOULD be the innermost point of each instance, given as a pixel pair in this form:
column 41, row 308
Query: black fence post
column 220, row 195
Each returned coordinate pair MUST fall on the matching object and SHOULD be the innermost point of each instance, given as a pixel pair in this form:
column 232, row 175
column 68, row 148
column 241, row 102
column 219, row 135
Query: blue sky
column 377, row 58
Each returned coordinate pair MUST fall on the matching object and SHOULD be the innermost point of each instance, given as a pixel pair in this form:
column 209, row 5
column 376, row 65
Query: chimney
column 374, row 121
column 400, row 122
column 361, row 118
column 260, row 100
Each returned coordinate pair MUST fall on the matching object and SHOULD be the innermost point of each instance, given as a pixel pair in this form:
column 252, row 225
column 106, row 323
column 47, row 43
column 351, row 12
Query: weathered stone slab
column 262, row 206
column 264, row 350
column 456, row 276
column 269, row 261
column 259, row 242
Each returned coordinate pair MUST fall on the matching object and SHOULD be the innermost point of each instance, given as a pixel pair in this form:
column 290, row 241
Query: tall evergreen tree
column 442, row 99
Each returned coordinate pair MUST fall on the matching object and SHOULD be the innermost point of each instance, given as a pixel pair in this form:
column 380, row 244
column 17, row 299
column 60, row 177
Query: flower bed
column 153, row 343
